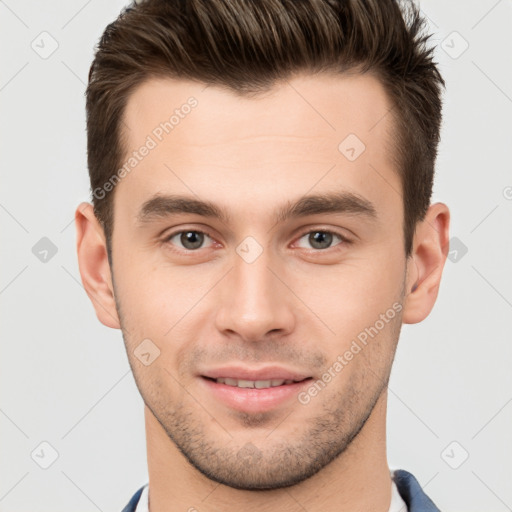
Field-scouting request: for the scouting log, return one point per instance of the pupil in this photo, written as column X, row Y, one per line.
column 320, row 239
column 191, row 239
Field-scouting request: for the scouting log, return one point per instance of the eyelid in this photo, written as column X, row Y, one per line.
column 345, row 240
column 166, row 239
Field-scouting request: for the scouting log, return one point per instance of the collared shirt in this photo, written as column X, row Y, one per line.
column 406, row 496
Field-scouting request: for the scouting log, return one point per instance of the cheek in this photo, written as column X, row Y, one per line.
column 162, row 303
column 340, row 299
column 351, row 295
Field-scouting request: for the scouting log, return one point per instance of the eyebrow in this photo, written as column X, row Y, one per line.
column 161, row 206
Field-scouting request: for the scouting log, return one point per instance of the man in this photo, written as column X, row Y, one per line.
column 261, row 227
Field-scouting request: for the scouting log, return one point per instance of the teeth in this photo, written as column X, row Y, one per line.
column 258, row 384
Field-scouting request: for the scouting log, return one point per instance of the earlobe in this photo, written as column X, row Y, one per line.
column 425, row 267
column 93, row 265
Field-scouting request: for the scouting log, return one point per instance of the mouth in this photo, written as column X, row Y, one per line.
column 255, row 384
column 256, row 395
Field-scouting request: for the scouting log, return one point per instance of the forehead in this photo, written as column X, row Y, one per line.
column 207, row 140
column 322, row 105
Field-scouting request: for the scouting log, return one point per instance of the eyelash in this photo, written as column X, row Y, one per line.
column 344, row 239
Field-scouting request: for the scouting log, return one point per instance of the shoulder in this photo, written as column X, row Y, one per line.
column 132, row 504
column 412, row 493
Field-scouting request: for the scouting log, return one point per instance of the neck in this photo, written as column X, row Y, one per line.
column 357, row 480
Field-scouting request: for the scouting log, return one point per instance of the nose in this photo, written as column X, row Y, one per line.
column 255, row 301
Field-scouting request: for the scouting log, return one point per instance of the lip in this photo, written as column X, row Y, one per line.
column 265, row 373
column 253, row 400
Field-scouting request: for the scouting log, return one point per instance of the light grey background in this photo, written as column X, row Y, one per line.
column 65, row 378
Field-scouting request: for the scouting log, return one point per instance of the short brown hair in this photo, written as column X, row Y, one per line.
column 247, row 46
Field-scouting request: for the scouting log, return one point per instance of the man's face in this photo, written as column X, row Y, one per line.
column 254, row 296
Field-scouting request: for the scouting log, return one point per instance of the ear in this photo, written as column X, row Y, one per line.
column 93, row 264
column 426, row 263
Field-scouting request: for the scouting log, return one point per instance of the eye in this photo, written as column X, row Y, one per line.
column 322, row 239
column 193, row 239
column 190, row 240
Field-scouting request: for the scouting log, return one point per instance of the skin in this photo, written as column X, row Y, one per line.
column 296, row 305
